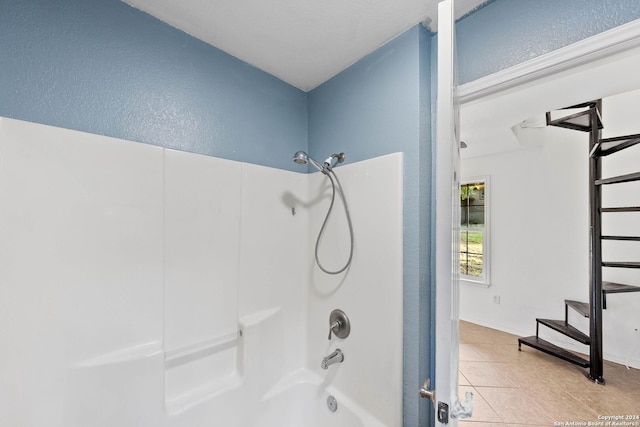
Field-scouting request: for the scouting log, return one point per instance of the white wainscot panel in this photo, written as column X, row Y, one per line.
column 81, row 272
column 369, row 292
column 273, row 268
column 202, row 232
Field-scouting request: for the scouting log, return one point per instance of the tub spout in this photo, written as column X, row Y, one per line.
column 332, row 359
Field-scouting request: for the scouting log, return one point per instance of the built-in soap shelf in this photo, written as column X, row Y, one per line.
column 123, row 355
column 200, row 371
column 224, row 365
column 199, row 350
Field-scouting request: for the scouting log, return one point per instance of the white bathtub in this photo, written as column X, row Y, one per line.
column 302, row 402
column 261, row 391
column 298, row 400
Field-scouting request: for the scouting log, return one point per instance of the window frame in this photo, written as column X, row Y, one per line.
column 486, row 247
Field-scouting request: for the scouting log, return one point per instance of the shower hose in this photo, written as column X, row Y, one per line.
column 332, row 176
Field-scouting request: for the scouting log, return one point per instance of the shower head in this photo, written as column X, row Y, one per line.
column 300, row 158
column 303, row 158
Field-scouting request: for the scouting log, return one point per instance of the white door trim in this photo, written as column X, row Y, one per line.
column 599, row 47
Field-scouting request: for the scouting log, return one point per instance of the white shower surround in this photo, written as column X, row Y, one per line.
column 145, row 286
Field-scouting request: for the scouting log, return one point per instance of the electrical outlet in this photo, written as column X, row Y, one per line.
column 496, row 299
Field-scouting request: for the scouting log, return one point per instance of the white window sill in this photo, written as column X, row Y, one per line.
column 475, row 282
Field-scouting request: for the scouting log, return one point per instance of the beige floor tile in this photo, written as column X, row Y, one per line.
column 514, row 406
column 608, row 404
column 470, row 352
column 484, row 374
column 621, row 379
column 462, row 380
column 482, row 412
column 536, row 377
column 485, row 335
column 506, row 353
column 633, row 402
column 470, row 423
column 530, row 388
column 560, row 405
column 575, row 381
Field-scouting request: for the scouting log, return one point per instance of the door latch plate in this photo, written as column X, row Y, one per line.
column 443, row 413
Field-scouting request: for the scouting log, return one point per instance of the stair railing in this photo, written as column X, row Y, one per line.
column 595, row 291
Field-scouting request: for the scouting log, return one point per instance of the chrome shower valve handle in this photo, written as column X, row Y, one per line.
column 339, row 324
column 335, row 326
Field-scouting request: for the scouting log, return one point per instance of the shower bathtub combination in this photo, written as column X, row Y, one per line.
column 143, row 286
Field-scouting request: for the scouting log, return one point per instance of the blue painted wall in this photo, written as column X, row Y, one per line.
column 424, row 359
column 104, row 67
column 507, row 32
column 378, row 106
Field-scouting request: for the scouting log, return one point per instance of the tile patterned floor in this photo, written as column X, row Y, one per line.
column 529, row 388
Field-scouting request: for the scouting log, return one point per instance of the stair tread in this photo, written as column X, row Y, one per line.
column 629, row 238
column 566, row 329
column 619, row 179
column 621, row 264
column 578, row 121
column 621, row 209
column 554, row 350
column 579, row 306
column 617, row 288
column 608, row 146
column 589, row 104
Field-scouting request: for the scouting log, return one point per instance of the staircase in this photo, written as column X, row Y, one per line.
column 589, row 120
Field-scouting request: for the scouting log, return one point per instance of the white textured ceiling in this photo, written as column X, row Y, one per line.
column 303, row 42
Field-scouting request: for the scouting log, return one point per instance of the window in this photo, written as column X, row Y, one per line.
column 474, row 265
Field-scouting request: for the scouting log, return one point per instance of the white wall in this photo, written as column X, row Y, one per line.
column 621, row 336
column 540, row 237
column 146, row 286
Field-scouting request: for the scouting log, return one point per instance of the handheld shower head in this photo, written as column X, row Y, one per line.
column 303, row 158
column 300, row 158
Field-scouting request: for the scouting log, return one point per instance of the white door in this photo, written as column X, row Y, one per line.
column 448, row 408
